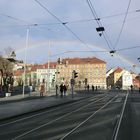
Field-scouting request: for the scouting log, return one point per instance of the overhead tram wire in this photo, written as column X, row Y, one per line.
column 14, row 18
column 65, row 52
column 99, row 23
column 63, row 23
column 134, row 47
column 91, row 19
column 27, row 23
column 123, row 24
column 104, row 17
column 68, row 22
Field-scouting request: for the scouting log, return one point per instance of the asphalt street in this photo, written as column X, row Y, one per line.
column 90, row 118
column 95, row 116
column 130, row 127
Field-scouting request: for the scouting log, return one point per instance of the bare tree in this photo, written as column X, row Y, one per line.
column 8, row 51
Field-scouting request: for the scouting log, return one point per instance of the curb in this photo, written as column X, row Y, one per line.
column 39, row 109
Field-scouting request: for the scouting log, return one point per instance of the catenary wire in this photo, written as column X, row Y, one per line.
column 68, row 22
column 123, row 24
column 15, row 18
column 65, row 52
column 93, row 11
column 63, row 23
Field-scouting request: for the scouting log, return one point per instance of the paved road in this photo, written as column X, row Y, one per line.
column 130, row 127
column 91, row 118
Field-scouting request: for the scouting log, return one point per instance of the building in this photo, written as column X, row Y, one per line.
column 136, row 82
column 127, row 80
column 119, row 78
column 46, row 73
column 90, row 71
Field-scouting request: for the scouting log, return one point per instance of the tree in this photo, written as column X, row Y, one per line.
column 6, row 68
column 8, row 51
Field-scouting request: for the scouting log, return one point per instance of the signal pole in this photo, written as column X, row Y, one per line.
column 74, row 75
column 72, row 84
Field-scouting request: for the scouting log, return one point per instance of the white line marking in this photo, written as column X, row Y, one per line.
column 120, row 120
column 86, row 119
column 18, row 120
column 32, row 130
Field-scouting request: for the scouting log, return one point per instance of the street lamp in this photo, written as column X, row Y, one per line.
column 25, row 59
column 139, row 81
column 48, row 71
column 25, row 55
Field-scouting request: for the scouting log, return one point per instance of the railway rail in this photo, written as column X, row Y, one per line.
column 70, row 121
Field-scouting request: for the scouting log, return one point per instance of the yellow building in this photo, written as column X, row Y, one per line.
column 92, row 70
column 115, row 78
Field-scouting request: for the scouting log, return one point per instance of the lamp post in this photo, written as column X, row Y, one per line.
column 139, row 81
column 25, row 60
column 25, row 55
column 48, row 77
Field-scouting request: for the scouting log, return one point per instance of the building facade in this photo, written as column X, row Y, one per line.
column 119, row 78
column 90, row 71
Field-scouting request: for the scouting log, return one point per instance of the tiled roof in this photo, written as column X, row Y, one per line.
column 118, row 70
column 52, row 65
column 44, row 66
column 89, row 60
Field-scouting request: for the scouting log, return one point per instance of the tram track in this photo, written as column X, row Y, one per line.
column 59, row 122
column 45, row 111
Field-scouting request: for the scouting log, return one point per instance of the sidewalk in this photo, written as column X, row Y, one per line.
column 17, row 105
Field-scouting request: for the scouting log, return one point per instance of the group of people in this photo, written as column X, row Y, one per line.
column 93, row 87
column 63, row 89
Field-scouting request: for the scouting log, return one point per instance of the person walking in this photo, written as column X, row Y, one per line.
column 88, row 87
column 131, row 87
column 61, row 90
column 56, row 87
column 42, row 89
column 65, row 89
column 96, row 88
column 92, row 87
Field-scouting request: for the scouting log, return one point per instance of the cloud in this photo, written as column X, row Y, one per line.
column 13, row 31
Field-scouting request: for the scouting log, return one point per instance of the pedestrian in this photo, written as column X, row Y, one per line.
column 56, row 87
column 131, row 88
column 88, row 87
column 42, row 89
column 9, row 90
column 96, row 88
column 65, row 89
column 92, row 88
column 61, row 90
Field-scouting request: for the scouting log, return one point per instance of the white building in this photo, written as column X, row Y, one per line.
column 46, row 75
column 127, row 80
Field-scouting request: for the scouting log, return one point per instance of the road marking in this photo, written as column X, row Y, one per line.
column 93, row 114
column 120, row 120
column 41, row 126
column 18, row 120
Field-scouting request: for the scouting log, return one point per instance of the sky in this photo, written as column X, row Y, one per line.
column 45, row 30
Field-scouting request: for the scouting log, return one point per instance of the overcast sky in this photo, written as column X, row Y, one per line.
column 78, row 34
